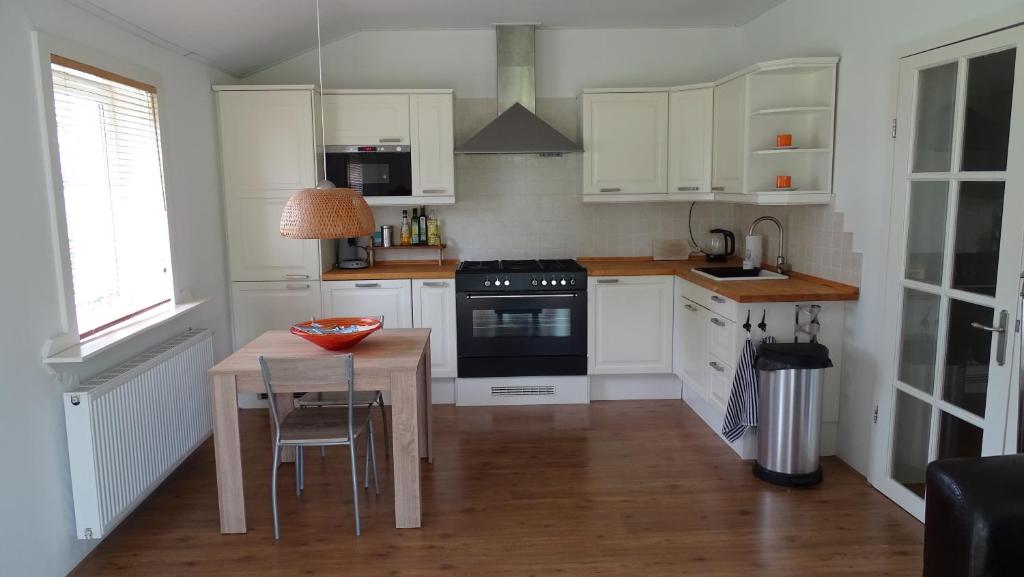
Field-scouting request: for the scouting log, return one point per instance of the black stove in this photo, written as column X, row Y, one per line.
column 521, row 318
column 520, row 275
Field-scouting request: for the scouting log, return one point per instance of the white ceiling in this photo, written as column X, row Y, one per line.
column 243, row 36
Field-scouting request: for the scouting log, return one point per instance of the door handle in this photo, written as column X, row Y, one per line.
column 615, row 189
column 718, row 300
column 607, row 281
column 690, row 308
column 297, row 287
column 1000, row 330
column 718, row 189
column 297, row 276
column 367, row 285
column 716, row 366
column 435, row 284
column 387, row 140
column 717, row 322
column 688, row 188
column 435, row 190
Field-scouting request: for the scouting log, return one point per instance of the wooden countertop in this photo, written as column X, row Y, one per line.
column 388, row 270
column 798, row 287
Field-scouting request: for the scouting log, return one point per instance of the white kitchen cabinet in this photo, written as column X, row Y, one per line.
column 257, row 307
column 720, row 377
column 693, row 350
column 630, row 324
column 433, row 307
column 433, row 146
column 690, row 115
column 268, row 153
column 366, row 119
column 625, row 143
column 730, row 115
column 391, row 299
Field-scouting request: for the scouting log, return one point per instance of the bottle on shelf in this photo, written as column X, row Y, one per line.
column 415, row 227
column 433, row 230
column 406, row 235
column 423, row 225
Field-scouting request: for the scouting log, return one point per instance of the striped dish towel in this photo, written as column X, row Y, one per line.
column 743, row 406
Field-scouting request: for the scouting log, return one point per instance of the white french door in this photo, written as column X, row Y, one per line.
column 955, row 261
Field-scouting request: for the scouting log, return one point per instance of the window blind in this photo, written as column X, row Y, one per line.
column 110, row 162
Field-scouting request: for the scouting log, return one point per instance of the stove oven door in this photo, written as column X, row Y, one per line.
column 522, row 325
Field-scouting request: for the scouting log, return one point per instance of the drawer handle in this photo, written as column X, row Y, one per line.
column 614, row 189
column 367, row 285
column 718, row 188
column 718, row 300
column 717, row 322
column 688, row 188
column 387, row 140
column 435, row 284
column 297, row 276
column 690, row 308
column 297, row 287
column 435, row 191
column 607, row 281
column 716, row 366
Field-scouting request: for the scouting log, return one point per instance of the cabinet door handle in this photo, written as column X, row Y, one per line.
column 387, row 140
column 717, row 322
column 716, row 366
column 607, row 281
column 718, row 188
column 435, row 190
column 718, row 300
column 688, row 188
column 367, row 285
column 297, row 287
column 614, row 189
column 297, row 276
column 435, row 284
column 690, row 308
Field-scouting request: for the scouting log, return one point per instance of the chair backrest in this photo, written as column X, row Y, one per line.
column 297, row 375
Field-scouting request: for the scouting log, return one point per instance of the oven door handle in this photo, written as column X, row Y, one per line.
column 529, row 296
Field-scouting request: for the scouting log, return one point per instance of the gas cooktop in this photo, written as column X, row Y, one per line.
column 520, row 266
column 520, row 275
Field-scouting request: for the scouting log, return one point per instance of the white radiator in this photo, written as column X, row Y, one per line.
column 131, row 426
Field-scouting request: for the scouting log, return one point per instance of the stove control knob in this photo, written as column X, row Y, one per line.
column 572, row 281
column 487, row 282
column 507, row 282
column 564, row 282
column 544, row 282
column 534, row 282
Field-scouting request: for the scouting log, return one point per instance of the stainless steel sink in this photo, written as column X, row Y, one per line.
column 734, row 273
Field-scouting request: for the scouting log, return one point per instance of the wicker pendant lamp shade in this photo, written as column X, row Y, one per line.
column 326, row 213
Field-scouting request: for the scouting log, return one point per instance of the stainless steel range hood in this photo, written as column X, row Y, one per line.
column 517, row 130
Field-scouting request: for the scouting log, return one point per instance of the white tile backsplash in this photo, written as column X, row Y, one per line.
column 528, row 206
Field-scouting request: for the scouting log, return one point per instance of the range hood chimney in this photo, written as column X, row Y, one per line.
column 517, row 130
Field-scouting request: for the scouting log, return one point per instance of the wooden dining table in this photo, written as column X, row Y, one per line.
column 396, row 361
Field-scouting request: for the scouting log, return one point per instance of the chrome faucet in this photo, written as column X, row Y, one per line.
column 780, row 260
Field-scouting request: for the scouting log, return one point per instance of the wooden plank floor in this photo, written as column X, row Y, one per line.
column 624, row 488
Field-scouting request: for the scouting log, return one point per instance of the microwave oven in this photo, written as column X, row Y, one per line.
column 371, row 170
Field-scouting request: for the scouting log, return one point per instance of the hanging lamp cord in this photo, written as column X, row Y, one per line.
column 320, row 72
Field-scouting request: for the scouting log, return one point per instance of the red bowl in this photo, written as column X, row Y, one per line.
column 337, row 342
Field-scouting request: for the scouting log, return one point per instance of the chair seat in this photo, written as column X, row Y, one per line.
column 321, row 427
column 337, row 399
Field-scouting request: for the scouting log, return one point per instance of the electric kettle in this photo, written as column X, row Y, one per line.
column 722, row 245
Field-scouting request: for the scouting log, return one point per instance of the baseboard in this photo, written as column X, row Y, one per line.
column 634, row 387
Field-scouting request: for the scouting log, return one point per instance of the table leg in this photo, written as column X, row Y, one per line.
column 405, row 446
column 285, row 403
column 427, row 425
column 228, row 453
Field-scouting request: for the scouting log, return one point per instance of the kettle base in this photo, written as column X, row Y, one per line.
column 716, row 258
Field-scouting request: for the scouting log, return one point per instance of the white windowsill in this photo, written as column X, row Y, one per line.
column 85, row 350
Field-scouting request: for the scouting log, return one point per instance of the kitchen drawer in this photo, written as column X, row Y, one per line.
column 722, row 338
column 712, row 301
column 720, row 375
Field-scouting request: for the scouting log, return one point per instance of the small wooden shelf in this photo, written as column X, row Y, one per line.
column 433, row 247
column 771, row 151
column 791, row 110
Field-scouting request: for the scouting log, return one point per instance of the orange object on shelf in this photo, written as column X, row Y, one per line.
column 783, row 140
column 783, row 182
column 336, row 341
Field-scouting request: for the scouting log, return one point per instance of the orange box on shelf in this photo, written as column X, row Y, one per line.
column 783, row 181
column 783, row 140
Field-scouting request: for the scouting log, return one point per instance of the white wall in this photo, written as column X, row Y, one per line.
column 567, row 60
column 867, row 35
column 37, row 533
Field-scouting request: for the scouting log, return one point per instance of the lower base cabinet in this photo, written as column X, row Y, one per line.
column 390, row 299
column 629, row 325
column 433, row 307
column 258, row 307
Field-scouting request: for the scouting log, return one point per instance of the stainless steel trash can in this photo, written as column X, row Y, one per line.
column 791, row 377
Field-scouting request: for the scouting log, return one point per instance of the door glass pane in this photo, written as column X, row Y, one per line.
column 936, row 106
column 919, row 339
column 989, row 102
column 926, row 234
column 911, row 433
column 979, row 220
column 542, row 322
column 965, row 382
column 958, row 438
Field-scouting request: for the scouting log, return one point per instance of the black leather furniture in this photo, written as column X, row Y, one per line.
column 974, row 518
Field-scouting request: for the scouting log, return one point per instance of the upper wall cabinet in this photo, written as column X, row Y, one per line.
column 689, row 143
column 788, row 97
column 366, row 119
column 625, row 139
column 433, row 146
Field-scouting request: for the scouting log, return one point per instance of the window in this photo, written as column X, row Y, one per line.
column 115, row 212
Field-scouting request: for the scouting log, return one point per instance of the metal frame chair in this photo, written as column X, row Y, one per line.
column 328, row 426
column 365, row 399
